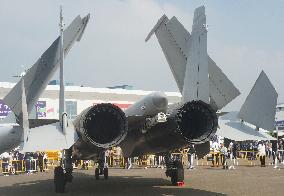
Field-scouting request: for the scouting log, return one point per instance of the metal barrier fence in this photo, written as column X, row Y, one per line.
column 32, row 165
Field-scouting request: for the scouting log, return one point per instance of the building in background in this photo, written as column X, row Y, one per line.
column 78, row 98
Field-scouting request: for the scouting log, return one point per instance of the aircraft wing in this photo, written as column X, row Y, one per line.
column 257, row 111
column 38, row 76
column 231, row 127
column 260, row 105
column 51, row 137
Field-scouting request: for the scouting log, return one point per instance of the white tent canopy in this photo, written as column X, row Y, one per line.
column 232, row 128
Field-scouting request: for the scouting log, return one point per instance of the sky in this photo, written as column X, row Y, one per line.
column 244, row 37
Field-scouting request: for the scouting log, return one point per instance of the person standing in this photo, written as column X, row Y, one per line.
column 40, row 161
column 190, row 156
column 274, row 152
column 233, row 154
column 215, row 155
column 261, row 153
column 223, row 154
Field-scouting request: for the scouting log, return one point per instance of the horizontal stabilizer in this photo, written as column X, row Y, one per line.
column 49, row 137
column 232, row 128
column 259, row 107
column 38, row 76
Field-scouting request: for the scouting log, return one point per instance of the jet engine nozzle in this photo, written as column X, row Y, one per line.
column 104, row 125
column 196, row 121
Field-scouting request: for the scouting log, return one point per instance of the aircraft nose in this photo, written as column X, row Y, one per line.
column 160, row 100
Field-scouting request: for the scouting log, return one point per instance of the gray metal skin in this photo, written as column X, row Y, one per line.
column 36, row 80
column 166, row 136
column 10, row 136
column 191, row 121
column 134, row 116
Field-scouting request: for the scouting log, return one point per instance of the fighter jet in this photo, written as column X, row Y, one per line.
column 204, row 88
column 151, row 125
column 15, row 129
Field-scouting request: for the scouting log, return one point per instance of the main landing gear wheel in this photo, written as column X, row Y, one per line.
column 176, row 172
column 106, row 173
column 59, row 180
column 97, row 174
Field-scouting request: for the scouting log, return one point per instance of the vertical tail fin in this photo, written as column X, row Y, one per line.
column 171, row 35
column 38, row 76
column 196, row 81
column 259, row 107
column 184, row 52
column 24, row 115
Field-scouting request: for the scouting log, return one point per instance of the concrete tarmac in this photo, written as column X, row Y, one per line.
column 204, row 180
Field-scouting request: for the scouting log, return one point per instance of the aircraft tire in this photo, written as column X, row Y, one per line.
column 174, row 177
column 59, row 180
column 180, row 174
column 106, row 173
column 97, row 173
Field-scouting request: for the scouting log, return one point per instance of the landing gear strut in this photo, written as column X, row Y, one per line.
column 174, row 170
column 102, row 168
column 61, row 177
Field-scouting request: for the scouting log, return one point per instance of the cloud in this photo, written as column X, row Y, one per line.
column 113, row 52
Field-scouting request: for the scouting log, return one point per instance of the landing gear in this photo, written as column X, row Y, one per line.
column 175, row 171
column 102, row 168
column 106, row 173
column 59, row 180
column 99, row 172
column 61, row 177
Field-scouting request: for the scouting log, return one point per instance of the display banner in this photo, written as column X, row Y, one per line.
column 41, row 109
column 4, row 109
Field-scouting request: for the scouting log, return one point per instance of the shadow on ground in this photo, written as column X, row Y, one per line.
column 84, row 184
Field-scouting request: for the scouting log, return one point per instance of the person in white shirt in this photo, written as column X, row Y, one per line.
column 223, row 155
column 261, row 153
column 216, row 152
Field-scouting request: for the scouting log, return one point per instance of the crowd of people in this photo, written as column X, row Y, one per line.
column 222, row 153
column 14, row 162
column 228, row 151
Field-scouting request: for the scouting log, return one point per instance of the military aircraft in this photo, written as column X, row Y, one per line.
column 150, row 125
column 204, row 88
column 14, row 130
